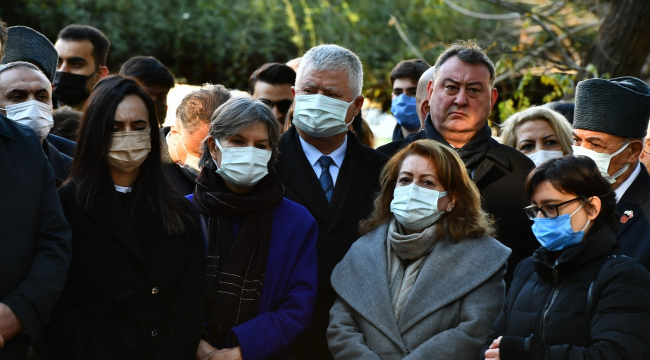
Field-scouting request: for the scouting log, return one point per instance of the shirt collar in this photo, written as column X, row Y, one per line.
column 314, row 154
column 620, row 190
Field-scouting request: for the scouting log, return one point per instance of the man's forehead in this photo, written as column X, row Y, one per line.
column 458, row 70
column 590, row 135
column 74, row 48
column 23, row 77
column 404, row 83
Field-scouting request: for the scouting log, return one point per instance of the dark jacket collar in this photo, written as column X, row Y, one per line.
column 59, row 162
column 6, row 125
column 600, row 244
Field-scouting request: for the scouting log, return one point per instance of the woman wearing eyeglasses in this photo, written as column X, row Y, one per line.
column 576, row 297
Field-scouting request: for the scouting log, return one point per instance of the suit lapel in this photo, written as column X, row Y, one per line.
column 106, row 210
column 353, row 183
column 495, row 156
column 629, row 207
column 297, row 173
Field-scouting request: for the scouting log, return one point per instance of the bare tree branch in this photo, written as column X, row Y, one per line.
column 393, row 21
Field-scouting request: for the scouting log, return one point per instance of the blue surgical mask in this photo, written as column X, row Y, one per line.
column 556, row 233
column 405, row 111
column 320, row 116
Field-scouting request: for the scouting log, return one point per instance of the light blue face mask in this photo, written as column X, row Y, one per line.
column 320, row 116
column 405, row 111
column 416, row 207
column 556, row 233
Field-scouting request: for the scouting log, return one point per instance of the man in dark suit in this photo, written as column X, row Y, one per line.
column 181, row 142
column 461, row 96
column 326, row 169
column 610, row 124
column 34, row 241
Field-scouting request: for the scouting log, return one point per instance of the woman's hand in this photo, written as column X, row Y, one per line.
column 493, row 352
column 224, row 354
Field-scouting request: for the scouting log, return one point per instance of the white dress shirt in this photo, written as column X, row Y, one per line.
column 620, row 190
column 314, row 154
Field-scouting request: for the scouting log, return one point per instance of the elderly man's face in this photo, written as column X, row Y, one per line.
column 331, row 83
column 461, row 99
column 22, row 84
column 609, row 144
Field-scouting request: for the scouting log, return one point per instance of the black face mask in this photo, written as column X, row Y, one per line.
column 71, row 88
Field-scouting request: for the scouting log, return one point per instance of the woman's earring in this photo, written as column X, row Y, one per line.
column 450, row 207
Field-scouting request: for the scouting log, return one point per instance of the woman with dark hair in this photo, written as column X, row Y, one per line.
column 261, row 248
column 135, row 286
column 426, row 279
column 576, row 297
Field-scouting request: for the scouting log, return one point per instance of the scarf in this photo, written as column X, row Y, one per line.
column 471, row 153
column 406, row 254
column 236, row 265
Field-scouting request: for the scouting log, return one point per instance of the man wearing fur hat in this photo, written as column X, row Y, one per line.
column 610, row 122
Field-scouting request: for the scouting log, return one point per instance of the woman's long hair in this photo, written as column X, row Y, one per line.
column 466, row 220
column 90, row 164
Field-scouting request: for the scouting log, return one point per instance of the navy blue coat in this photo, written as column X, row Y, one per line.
column 634, row 231
column 289, row 293
column 34, row 235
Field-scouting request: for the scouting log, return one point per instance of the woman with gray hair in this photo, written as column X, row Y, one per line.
column 538, row 132
column 261, row 271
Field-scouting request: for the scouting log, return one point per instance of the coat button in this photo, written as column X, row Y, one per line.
column 154, row 333
column 154, row 291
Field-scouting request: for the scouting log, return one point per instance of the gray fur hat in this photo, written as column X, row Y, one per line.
column 27, row 44
column 619, row 106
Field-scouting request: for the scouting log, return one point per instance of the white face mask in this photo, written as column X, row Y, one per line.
column 242, row 167
column 415, row 207
column 543, row 155
column 34, row 114
column 191, row 162
column 129, row 149
column 602, row 161
column 320, row 116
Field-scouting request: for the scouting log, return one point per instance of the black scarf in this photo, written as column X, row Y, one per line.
column 471, row 153
column 235, row 266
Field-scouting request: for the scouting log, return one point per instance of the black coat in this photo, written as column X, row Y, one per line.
column 64, row 145
column 34, row 235
column 501, row 179
column 182, row 180
column 133, row 292
column 589, row 306
column 338, row 221
column 634, row 231
column 60, row 162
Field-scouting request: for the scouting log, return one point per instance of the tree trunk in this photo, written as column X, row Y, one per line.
column 623, row 42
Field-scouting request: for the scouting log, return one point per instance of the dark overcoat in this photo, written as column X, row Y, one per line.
column 34, row 235
column 634, row 211
column 134, row 291
column 338, row 221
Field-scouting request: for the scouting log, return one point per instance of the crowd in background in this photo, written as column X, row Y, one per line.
column 266, row 226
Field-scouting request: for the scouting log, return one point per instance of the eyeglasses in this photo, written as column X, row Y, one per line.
column 549, row 211
column 283, row 105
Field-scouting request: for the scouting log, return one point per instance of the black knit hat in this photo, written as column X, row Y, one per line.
column 27, row 44
column 619, row 107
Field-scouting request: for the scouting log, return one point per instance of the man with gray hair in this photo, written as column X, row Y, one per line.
column 326, row 169
column 181, row 142
column 461, row 96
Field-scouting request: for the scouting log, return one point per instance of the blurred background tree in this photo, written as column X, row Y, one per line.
column 541, row 47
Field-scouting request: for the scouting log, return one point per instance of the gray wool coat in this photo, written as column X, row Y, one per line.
column 455, row 299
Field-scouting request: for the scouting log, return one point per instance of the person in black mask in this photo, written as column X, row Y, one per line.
column 461, row 96
column 82, row 63
column 155, row 77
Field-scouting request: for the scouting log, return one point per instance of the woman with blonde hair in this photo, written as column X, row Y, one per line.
column 426, row 278
column 538, row 132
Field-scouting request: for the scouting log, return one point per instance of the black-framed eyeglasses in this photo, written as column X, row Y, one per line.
column 283, row 105
column 549, row 211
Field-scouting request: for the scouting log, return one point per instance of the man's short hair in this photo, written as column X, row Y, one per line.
column 272, row 73
column 468, row 52
column 3, row 37
column 66, row 123
column 19, row 64
column 198, row 106
column 334, row 57
column 100, row 42
column 411, row 69
column 148, row 70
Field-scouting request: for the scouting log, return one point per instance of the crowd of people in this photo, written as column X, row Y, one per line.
column 266, row 226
